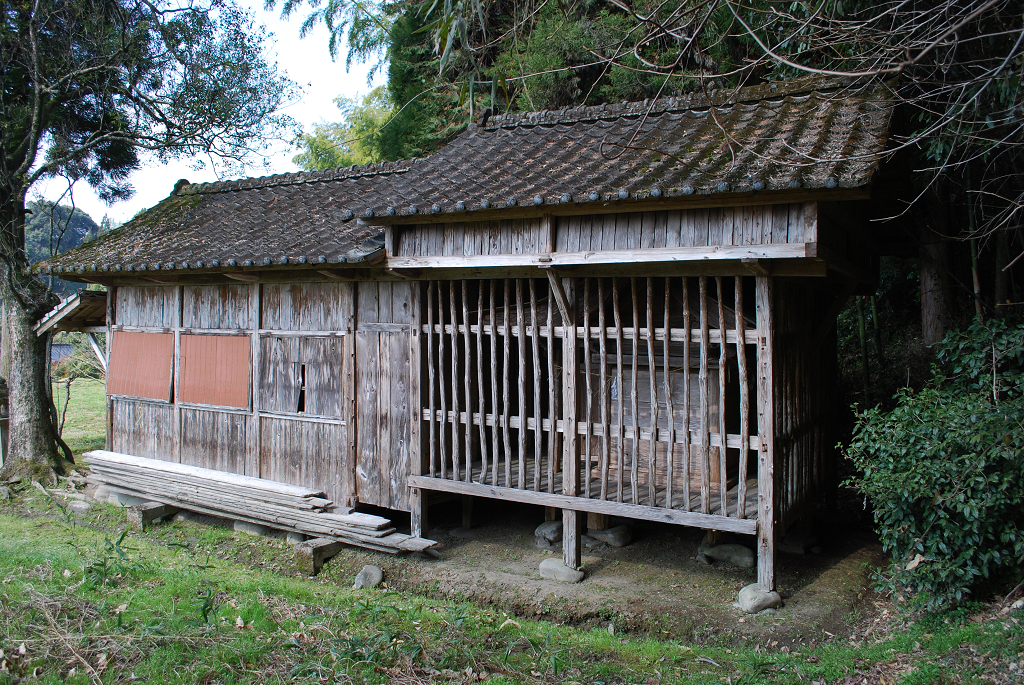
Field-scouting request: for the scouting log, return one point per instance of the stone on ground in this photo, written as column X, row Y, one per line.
column 590, row 543
column 752, row 599
column 551, row 531
column 5, row 493
column 251, row 528
column 734, row 554
column 619, row 536
column 554, row 569
column 295, row 538
column 798, row 540
column 79, row 507
column 371, row 576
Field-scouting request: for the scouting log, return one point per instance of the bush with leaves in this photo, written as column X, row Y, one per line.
column 944, row 470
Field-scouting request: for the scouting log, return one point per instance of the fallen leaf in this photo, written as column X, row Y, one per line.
column 240, row 622
column 915, row 562
column 508, row 622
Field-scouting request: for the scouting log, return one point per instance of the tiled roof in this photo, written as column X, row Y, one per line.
column 796, row 134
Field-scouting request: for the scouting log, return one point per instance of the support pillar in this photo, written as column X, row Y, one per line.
column 766, row 429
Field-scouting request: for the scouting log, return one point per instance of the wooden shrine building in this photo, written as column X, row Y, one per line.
column 624, row 309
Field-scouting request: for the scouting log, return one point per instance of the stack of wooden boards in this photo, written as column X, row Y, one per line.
column 244, row 498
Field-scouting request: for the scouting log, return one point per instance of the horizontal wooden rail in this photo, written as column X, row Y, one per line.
column 676, row 334
column 547, row 499
column 601, row 257
column 733, row 441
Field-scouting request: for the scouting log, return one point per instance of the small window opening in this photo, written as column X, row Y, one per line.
column 302, row 389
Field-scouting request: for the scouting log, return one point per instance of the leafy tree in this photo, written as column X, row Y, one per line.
column 85, row 87
column 352, row 141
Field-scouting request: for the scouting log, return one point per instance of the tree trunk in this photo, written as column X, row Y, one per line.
column 32, row 445
column 1002, row 281
column 934, row 305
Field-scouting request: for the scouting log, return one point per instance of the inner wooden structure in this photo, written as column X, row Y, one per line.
column 673, row 365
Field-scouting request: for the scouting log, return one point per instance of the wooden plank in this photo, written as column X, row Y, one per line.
column 348, row 447
column 442, row 385
column 553, row 441
column 564, row 502
column 456, row 408
column 401, row 407
column 431, row 380
column 571, row 550
column 108, row 442
column 211, row 439
column 766, row 430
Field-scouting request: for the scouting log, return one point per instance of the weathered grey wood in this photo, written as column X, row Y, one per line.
column 417, row 498
column 620, row 449
column 143, row 429
column 496, row 450
column 652, row 372
column 669, row 406
column 467, row 376
column 432, row 368
column 521, row 385
column 150, row 306
column 349, row 455
column 621, row 509
column 138, row 515
column 213, row 439
column 252, row 428
column 634, row 367
column 570, row 451
column 588, row 389
column 553, row 394
column 741, row 362
column 605, row 391
column 766, row 430
column 506, row 344
column 108, row 442
column 687, row 451
column 456, row 408
column 481, row 400
column 311, row 554
column 722, row 361
column 538, row 435
column 442, row 385
column 176, row 382
column 705, row 437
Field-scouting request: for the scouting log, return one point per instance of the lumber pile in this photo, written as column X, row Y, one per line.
column 244, row 498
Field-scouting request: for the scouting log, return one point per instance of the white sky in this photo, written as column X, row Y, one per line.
column 306, row 61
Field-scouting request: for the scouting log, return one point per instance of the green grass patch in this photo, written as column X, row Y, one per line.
column 186, row 603
column 85, row 421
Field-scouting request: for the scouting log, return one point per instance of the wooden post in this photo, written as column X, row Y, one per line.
column 111, row 322
column 176, row 387
column 597, row 521
column 766, row 430
column 252, row 466
column 348, row 341
column 467, row 512
column 571, row 550
column 417, row 497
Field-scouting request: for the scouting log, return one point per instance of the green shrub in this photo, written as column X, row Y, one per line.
column 944, row 470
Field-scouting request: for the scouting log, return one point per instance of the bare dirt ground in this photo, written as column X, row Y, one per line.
column 654, row 585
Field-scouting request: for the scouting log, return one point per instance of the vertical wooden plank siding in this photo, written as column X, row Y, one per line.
column 766, row 433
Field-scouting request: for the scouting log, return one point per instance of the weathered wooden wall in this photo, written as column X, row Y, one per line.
column 725, row 226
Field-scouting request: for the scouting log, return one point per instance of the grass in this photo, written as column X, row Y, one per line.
column 84, row 428
column 80, row 602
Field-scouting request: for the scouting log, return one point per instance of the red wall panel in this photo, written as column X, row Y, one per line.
column 140, row 365
column 215, row 370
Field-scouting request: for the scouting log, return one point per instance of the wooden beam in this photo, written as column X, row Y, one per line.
column 244, row 277
column 597, row 506
column 560, row 298
column 311, row 554
column 338, row 274
column 100, row 355
column 608, row 257
column 766, row 427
